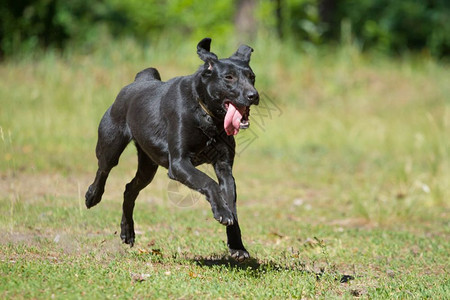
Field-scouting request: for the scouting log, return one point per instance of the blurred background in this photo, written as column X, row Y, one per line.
column 393, row 27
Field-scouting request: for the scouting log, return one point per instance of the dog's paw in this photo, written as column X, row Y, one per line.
column 93, row 197
column 127, row 239
column 239, row 255
column 127, row 234
column 224, row 216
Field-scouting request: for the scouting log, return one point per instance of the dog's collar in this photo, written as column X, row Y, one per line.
column 205, row 109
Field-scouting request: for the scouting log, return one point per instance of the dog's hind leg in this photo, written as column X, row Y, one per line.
column 144, row 175
column 112, row 140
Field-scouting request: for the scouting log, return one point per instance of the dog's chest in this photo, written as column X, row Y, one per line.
column 211, row 135
column 207, row 125
column 209, row 154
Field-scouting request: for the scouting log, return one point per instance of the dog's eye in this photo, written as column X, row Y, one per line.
column 229, row 77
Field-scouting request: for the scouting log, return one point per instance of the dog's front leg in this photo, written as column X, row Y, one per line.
column 182, row 170
column 228, row 189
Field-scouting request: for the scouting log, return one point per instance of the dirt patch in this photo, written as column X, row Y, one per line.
column 29, row 186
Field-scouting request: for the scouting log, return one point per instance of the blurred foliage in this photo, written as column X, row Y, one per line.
column 302, row 24
column 389, row 26
column 183, row 17
column 400, row 25
column 386, row 25
column 27, row 24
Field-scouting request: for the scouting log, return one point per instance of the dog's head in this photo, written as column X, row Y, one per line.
column 229, row 85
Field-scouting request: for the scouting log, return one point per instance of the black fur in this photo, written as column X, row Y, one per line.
column 171, row 129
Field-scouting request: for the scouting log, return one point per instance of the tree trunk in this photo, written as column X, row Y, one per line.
column 244, row 19
column 279, row 17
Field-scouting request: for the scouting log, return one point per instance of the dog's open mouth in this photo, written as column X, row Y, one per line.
column 236, row 118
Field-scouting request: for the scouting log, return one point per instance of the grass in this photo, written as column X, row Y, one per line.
column 343, row 182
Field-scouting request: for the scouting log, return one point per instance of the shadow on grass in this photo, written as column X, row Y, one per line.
column 258, row 269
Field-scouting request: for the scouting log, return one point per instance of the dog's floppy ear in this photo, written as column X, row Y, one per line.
column 203, row 51
column 243, row 53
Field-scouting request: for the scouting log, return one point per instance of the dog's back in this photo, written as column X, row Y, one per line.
column 147, row 79
column 147, row 75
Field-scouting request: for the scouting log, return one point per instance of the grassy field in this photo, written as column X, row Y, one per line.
column 343, row 182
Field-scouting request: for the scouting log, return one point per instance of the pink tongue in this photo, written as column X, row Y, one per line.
column 232, row 120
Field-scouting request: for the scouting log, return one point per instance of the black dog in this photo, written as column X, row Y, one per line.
column 180, row 124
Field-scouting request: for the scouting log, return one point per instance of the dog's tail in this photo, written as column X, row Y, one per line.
column 147, row 75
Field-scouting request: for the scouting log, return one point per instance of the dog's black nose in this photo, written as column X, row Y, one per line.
column 253, row 97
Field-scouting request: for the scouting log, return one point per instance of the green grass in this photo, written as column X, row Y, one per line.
column 343, row 182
